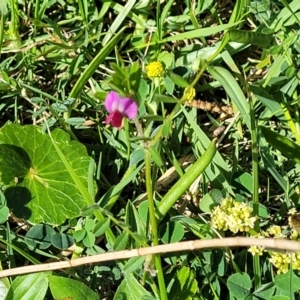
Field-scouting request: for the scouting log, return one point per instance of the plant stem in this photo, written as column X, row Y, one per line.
column 153, row 223
column 257, row 274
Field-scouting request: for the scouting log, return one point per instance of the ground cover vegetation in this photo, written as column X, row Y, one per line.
column 133, row 124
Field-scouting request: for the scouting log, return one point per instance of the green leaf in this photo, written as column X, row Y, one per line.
column 171, row 232
column 79, row 235
column 216, row 195
column 29, row 287
column 92, row 67
column 130, row 289
column 133, row 264
column 38, row 186
column 4, row 214
column 135, row 74
column 89, row 239
column 169, row 84
column 283, row 282
column 118, row 21
column 248, row 37
column 207, row 203
column 265, row 291
column 121, row 242
column 101, row 227
column 233, row 90
column 155, row 156
column 66, row 288
column 75, row 121
column 39, row 236
column 3, row 289
column 167, row 58
column 242, row 182
column 4, row 7
column 185, row 286
column 88, row 210
column 178, row 80
column 284, row 145
column 89, row 224
column 219, row 171
column 135, row 222
column 198, row 32
column 62, row 241
column 239, row 285
column 166, row 128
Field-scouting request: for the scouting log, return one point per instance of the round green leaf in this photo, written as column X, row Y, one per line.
column 89, row 239
column 62, row 241
column 242, row 182
column 283, row 282
column 171, row 232
column 79, row 235
column 216, row 195
column 265, row 291
column 239, row 285
column 39, row 236
column 207, row 203
column 38, row 186
column 89, row 224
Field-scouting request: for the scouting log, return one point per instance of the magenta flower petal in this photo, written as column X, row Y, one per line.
column 110, row 101
column 128, row 108
column 118, row 108
column 115, row 119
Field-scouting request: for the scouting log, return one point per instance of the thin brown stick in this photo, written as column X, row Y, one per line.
column 174, row 247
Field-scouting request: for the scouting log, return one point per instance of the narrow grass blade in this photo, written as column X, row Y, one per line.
column 283, row 144
column 89, row 71
column 118, row 21
column 198, row 32
column 233, row 90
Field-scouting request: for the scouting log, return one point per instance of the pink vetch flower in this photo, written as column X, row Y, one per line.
column 119, row 108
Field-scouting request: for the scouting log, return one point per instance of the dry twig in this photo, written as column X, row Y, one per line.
column 173, row 247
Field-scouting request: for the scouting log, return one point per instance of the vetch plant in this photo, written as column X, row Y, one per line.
column 119, row 108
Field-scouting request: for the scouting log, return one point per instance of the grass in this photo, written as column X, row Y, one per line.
column 213, row 153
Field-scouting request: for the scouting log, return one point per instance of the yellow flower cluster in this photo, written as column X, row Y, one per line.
column 275, row 230
column 232, row 215
column 281, row 261
column 256, row 250
column 155, row 69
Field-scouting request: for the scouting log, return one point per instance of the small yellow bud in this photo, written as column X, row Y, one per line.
column 189, row 94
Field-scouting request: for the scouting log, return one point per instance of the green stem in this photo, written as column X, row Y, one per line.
column 256, row 260
column 153, row 223
column 2, row 24
column 36, row 9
